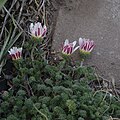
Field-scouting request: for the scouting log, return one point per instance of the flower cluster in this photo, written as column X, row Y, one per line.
column 39, row 31
column 85, row 46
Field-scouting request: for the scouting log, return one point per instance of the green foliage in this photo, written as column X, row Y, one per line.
column 71, row 106
column 12, row 117
column 43, row 91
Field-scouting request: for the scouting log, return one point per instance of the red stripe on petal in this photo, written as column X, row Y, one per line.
column 39, row 31
column 85, row 46
column 44, row 33
column 35, row 33
column 68, row 50
column 16, row 54
column 91, row 47
column 88, row 46
column 82, row 46
column 13, row 57
column 65, row 48
column 19, row 54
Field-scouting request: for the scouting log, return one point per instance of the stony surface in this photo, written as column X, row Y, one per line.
column 98, row 20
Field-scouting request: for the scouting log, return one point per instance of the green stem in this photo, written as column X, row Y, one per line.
column 32, row 52
column 40, row 112
column 81, row 64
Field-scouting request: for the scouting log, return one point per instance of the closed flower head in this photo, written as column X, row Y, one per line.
column 15, row 53
column 86, row 45
column 69, row 48
column 37, row 30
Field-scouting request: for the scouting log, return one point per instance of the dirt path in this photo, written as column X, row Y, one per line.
column 98, row 20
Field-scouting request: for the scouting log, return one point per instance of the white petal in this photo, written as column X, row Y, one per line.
column 45, row 28
column 81, row 41
column 20, row 50
column 33, row 32
column 74, row 43
column 75, row 49
column 92, row 48
column 44, row 31
column 9, row 52
column 12, row 51
column 66, row 42
column 87, row 45
column 39, row 25
column 15, row 49
column 36, row 26
column 31, row 27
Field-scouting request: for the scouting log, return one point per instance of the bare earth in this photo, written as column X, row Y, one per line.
column 98, row 20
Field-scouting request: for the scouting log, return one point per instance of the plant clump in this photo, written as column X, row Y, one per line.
column 44, row 91
column 41, row 88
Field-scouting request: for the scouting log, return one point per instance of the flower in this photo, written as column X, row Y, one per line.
column 86, row 45
column 37, row 30
column 68, row 48
column 15, row 53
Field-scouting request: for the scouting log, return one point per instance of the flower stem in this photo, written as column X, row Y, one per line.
column 81, row 64
column 40, row 112
column 32, row 52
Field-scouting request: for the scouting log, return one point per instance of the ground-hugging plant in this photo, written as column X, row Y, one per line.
column 44, row 91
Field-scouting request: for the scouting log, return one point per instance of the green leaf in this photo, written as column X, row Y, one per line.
column 49, row 82
column 28, row 103
column 71, row 105
column 21, row 93
column 58, row 110
column 2, row 3
column 83, row 113
column 80, row 118
column 12, row 117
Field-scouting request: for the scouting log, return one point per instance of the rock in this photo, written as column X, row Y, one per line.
column 92, row 19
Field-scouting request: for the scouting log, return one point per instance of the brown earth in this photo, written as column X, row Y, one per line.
column 98, row 20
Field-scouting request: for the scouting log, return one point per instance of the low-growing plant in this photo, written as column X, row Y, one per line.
column 48, row 91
